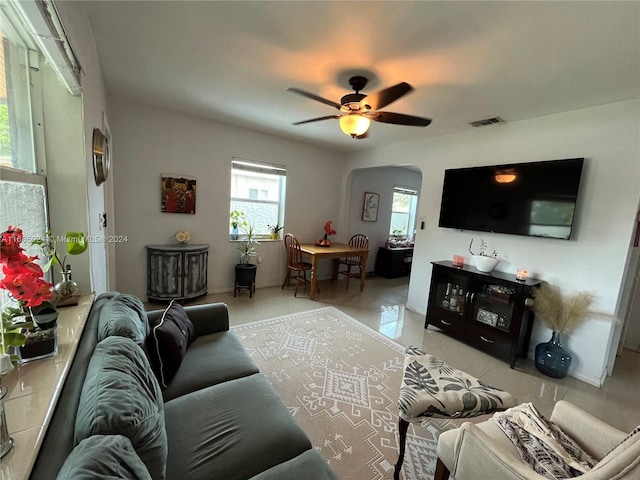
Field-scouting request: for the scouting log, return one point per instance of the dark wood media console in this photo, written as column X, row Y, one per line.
column 485, row 310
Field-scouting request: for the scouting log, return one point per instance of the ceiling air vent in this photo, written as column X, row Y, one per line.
column 486, row 121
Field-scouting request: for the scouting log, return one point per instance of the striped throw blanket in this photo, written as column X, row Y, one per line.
column 542, row 445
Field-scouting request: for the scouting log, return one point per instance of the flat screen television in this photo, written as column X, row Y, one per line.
column 536, row 199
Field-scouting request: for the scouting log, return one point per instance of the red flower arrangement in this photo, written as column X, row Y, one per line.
column 328, row 230
column 22, row 276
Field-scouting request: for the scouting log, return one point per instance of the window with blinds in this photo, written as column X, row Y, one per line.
column 258, row 190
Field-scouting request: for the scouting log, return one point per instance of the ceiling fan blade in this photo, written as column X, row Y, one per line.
column 388, row 95
column 317, row 119
column 313, row 96
column 399, row 119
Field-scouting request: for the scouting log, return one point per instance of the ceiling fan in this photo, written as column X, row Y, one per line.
column 357, row 109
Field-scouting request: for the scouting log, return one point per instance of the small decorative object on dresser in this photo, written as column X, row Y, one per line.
column 483, row 261
column 183, row 237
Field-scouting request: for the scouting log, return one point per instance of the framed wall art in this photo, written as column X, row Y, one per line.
column 370, row 207
column 178, row 193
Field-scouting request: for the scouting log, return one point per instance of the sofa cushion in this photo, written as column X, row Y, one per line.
column 168, row 342
column 123, row 315
column 121, row 395
column 104, row 457
column 309, row 465
column 210, row 359
column 233, row 430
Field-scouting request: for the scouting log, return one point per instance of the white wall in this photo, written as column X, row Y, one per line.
column 380, row 181
column 151, row 140
column 594, row 259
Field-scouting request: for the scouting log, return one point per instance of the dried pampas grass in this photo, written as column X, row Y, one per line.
column 561, row 313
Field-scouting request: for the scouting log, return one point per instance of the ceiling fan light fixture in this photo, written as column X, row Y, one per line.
column 354, row 125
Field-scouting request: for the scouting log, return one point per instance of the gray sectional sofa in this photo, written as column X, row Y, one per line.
column 217, row 418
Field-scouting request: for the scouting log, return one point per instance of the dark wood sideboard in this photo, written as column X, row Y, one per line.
column 485, row 310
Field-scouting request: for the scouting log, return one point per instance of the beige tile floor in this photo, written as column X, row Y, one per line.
column 382, row 307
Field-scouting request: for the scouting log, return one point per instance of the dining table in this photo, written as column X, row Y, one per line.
column 335, row 251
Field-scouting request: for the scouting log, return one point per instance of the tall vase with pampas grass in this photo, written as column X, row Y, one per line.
column 561, row 313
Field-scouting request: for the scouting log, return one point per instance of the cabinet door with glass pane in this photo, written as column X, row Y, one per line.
column 448, row 299
column 495, row 317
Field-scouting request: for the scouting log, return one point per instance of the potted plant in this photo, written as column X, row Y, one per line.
column 76, row 244
column 245, row 270
column 275, row 231
column 561, row 313
column 237, row 221
column 397, row 232
column 23, row 280
column 484, row 261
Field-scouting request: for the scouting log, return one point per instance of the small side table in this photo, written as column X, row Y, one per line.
column 176, row 272
column 431, row 388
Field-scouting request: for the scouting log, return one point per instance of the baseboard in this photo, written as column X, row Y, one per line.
column 634, row 347
column 415, row 309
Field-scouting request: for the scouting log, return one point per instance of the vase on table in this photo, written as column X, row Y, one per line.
column 234, row 233
column 552, row 358
column 66, row 287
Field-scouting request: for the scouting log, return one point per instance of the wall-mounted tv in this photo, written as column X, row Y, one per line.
column 535, row 199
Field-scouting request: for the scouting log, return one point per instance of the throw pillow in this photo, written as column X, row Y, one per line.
column 104, row 456
column 121, row 395
column 168, row 342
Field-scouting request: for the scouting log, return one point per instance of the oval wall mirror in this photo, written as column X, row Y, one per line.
column 101, row 156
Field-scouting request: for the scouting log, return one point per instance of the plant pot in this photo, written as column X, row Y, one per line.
column 41, row 343
column 485, row 264
column 45, row 315
column 552, row 358
column 246, row 274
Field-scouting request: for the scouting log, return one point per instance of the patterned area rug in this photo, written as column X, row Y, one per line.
column 340, row 380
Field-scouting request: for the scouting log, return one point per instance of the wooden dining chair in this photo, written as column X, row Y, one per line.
column 295, row 264
column 358, row 241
